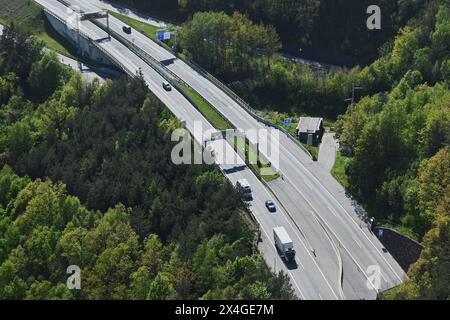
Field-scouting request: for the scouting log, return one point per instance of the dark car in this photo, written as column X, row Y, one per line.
column 166, row 85
column 271, row 206
column 126, row 29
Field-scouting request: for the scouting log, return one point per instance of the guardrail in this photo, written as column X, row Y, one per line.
column 243, row 103
column 165, row 73
column 96, row 44
column 173, row 78
column 251, row 214
column 157, row 66
column 337, row 252
column 155, row 63
column 114, row 60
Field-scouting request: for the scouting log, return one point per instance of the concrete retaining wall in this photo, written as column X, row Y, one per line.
column 87, row 48
column 405, row 250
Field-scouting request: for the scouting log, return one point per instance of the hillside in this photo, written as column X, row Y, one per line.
column 86, row 179
column 28, row 16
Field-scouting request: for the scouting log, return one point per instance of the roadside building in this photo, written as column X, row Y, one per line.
column 310, row 130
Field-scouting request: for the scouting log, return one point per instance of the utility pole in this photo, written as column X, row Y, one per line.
column 275, row 265
column 107, row 25
column 352, row 99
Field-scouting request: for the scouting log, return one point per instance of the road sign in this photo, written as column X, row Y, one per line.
column 287, row 121
column 162, row 35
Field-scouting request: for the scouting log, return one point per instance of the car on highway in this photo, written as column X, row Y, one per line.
column 166, row 85
column 271, row 206
column 126, row 29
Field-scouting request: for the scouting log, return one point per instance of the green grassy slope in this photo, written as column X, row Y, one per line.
column 28, row 16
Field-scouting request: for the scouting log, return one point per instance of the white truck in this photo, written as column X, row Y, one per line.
column 247, row 189
column 284, row 244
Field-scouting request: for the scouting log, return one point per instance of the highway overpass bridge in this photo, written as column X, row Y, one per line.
column 338, row 256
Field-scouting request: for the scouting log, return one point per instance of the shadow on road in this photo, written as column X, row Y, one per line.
column 234, row 169
column 291, row 265
column 167, row 62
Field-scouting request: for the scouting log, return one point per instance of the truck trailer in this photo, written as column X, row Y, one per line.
column 246, row 188
column 284, row 244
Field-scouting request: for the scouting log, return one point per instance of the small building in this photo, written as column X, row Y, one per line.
column 310, row 130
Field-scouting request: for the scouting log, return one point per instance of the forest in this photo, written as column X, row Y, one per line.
column 395, row 135
column 304, row 24
column 86, row 179
column 62, row 142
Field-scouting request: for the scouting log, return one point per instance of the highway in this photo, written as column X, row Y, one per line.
column 324, row 219
column 114, row 7
column 307, row 278
column 310, row 183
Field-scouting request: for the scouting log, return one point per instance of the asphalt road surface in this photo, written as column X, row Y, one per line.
column 307, row 277
column 314, row 208
column 312, row 184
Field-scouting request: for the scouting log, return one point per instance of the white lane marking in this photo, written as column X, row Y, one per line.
column 347, row 213
column 332, row 211
column 309, row 252
column 301, row 293
column 340, row 205
column 383, row 277
column 300, row 263
column 353, row 258
column 274, row 247
column 357, row 242
column 308, row 184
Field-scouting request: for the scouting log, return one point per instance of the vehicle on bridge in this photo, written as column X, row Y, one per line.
column 166, row 85
column 246, row 188
column 270, row 205
column 284, row 244
column 126, row 29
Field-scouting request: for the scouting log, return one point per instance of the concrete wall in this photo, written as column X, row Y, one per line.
column 86, row 46
column 404, row 249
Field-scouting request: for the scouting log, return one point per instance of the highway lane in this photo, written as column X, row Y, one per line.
column 308, row 278
column 328, row 262
column 120, row 9
column 314, row 229
column 87, row 72
column 291, row 166
column 296, row 166
column 364, row 249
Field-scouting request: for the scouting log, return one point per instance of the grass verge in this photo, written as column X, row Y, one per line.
column 207, row 109
column 278, row 119
column 216, row 119
column 29, row 17
column 269, row 173
column 145, row 28
column 313, row 150
column 221, row 123
column 339, row 168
